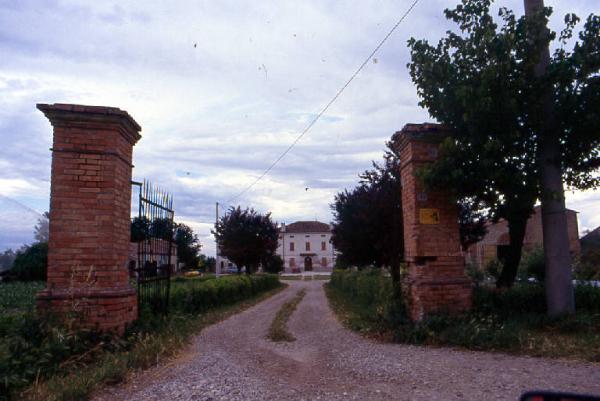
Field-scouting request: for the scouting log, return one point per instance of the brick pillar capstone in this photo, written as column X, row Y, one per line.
column 90, row 209
column 436, row 281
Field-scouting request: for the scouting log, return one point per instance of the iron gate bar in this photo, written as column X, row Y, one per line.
column 153, row 269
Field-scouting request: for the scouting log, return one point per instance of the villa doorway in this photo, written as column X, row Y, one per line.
column 308, row 264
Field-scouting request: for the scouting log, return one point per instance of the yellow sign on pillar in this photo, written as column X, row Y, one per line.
column 429, row 216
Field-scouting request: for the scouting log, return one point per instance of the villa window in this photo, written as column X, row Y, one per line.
column 291, row 247
column 323, row 245
column 308, row 246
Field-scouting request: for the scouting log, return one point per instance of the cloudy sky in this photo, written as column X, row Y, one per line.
column 220, row 89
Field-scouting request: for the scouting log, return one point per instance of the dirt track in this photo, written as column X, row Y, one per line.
column 233, row 360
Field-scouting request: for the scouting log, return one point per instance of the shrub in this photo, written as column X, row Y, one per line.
column 32, row 347
column 474, row 273
column 373, row 293
column 273, row 264
column 493, row 268
column 31, row 264
column 588, row 265
column 532, row 264
column 523, row 299
column 196, row 295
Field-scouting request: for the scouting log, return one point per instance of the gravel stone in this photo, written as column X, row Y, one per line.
column 233, row 360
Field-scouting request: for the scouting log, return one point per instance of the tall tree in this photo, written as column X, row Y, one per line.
column 6, row 259
column 42, row 228
column 207, row 263
column 188, row 246
column 482, row 83
column 246, row 237
column 367, row 227
column 471, row 223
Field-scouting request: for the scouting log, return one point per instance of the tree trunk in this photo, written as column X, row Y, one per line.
column 510, row 264
column 557, row 256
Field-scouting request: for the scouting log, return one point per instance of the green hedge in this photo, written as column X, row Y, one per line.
column 513, row 319
column 371, row 289
column 524, row 299
column 33, row 346
column 193, row 296
column 367, row 287
column 31, row 264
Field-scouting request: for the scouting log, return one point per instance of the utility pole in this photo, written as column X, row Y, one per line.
column 217, row 261
column 557, row 256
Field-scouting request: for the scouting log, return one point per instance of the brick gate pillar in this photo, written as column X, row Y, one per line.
column 90, row 208
column 436, row 279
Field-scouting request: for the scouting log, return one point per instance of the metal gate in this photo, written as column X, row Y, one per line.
column 153, row 231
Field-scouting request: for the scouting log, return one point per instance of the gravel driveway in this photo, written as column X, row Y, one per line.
column 233, row 360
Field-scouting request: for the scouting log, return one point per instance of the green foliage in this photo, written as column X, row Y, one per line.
column 373, row 293
column 493, row 268
column 475, row 273
column 188, row 246
column 207, row 263
column 31, row 263
column 7, row 259
column 375, row 206
column 195, row 296
column 588, row 266
column 532, row 264
column 42, row 228
column 246, row 237
column 508, row 319
column 471, row 223
column 18, row 297
column 142, row 229
column 33, row 348
column 273, row 264
column 481, row 82
column 278, row 330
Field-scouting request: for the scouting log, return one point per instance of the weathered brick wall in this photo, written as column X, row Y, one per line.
column 436, row 279
column 90, row 206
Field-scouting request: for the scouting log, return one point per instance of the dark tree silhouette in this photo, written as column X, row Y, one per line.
column 246, row 237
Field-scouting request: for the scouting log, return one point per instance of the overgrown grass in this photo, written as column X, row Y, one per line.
column 67, row 365
column 278, row 330
column 18, row 296
column 513, row 321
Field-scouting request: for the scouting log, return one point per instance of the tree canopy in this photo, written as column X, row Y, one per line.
column 188, row 246
column 482, row 83
column 42, row 228
column 246, row 237
column 368, row 220
column 367, row 227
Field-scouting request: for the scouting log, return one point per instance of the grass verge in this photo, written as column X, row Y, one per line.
column 278, row 330
column 574, row 337
column 151, row 345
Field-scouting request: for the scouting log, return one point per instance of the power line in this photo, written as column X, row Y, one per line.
column 339, row 92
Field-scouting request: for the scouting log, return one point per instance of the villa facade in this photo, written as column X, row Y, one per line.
column 306, row 246
column 303, row 246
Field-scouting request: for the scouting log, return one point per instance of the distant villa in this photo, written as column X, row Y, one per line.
column 303, row 246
